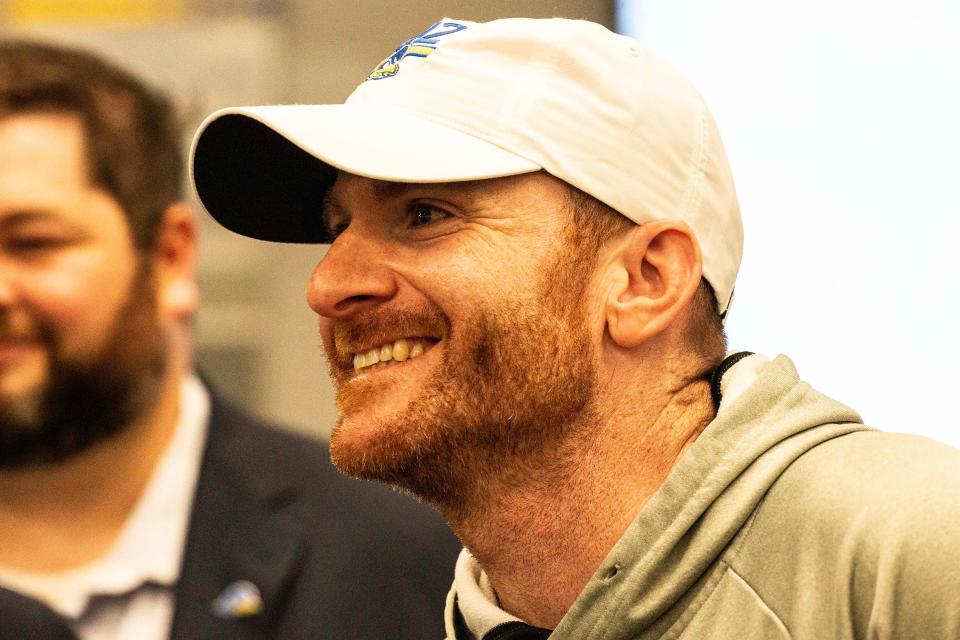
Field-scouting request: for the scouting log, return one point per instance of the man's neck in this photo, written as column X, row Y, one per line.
column 56, row 517
column 540, row 542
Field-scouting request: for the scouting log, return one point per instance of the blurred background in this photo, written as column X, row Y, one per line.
column 840, row 119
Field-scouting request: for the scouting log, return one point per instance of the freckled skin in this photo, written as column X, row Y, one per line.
column 513, row 366
column 558, row 395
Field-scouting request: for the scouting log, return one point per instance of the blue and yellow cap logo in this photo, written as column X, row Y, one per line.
column 419, row 46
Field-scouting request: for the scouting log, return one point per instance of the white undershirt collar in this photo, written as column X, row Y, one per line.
column 158, row 523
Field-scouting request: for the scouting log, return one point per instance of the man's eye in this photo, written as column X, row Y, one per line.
column 31, row 244
column 423, row 214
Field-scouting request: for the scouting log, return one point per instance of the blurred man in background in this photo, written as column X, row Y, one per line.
column 534, row 238
column 133, row 501
column 27, row 619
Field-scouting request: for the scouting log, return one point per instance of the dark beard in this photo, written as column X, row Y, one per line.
column 81, row 404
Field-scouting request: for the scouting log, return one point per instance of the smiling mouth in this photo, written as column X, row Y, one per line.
column 391, row 353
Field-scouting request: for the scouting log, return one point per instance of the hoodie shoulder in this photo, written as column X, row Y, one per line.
column 858, row 539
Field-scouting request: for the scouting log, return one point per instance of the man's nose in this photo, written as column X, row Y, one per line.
column 352, row 277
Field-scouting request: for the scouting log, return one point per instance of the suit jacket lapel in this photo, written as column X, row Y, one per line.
column 239, row 530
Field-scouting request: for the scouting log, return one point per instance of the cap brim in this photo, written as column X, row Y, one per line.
column 263, row 172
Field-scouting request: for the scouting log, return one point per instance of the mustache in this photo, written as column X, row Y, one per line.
column 377, row 327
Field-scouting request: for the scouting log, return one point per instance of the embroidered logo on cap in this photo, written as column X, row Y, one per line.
column 419, row 46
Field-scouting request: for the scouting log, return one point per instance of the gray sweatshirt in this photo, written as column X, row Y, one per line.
column 787, row 519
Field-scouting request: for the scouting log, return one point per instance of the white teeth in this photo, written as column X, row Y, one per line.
column 397, row 351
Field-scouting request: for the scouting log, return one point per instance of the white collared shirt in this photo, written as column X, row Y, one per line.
column 128, row 594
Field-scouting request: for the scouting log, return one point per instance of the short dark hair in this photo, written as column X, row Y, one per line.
column 594, row 223
column 131, row 131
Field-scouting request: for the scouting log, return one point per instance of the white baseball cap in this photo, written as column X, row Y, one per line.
column 469, row 101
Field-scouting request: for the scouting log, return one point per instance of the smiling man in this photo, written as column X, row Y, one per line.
column 134, row 502
column 534, row 238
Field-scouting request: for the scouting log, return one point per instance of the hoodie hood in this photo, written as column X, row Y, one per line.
column 706, row 501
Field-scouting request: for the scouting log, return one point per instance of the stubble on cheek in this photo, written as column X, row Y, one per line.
column 500, row 394
column 510, row 383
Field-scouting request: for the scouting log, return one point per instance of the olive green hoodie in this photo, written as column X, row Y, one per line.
column 787, row 519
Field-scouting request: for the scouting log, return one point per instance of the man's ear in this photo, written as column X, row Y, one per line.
column 175, row 262
column 658, row 270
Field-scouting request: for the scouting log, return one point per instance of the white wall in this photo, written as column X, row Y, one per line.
column 842, row 122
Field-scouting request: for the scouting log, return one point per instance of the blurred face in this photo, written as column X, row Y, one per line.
column 80, row 346
column 456, row 326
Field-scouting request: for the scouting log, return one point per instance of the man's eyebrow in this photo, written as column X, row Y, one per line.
column 333, row 210
column 464, row 189
column 387, row 190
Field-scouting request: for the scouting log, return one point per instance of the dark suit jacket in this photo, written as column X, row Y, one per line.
column 23, row 618
column 334, row 558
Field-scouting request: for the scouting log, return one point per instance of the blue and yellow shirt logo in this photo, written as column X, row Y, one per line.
column 419, row 46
